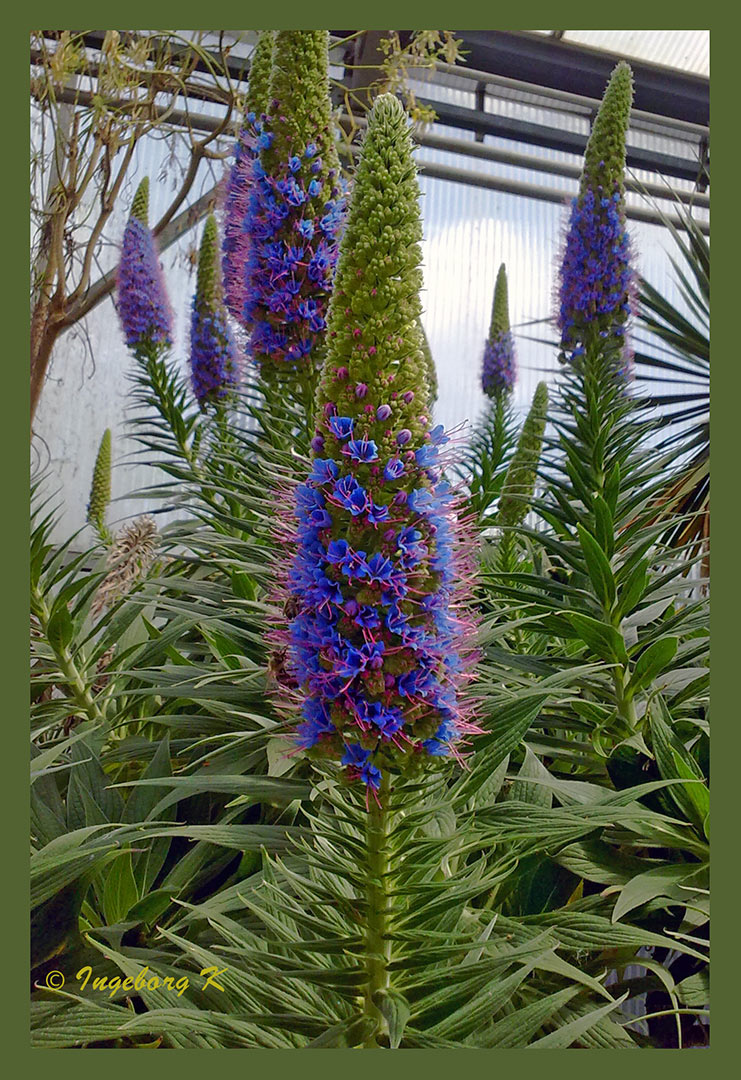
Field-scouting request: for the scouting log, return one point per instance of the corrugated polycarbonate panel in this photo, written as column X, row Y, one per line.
column 469, row 232
column 687, row 50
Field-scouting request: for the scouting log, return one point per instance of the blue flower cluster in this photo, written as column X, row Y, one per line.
column 213, row 359
column 595, row 274
column 143, row 306
column 293, row 220
column 375, row 646
column 499, row 370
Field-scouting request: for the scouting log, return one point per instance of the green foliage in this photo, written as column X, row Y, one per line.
column 681, row 353
column 487, row 456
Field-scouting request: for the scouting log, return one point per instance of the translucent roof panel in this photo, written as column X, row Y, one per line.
column 686, row 50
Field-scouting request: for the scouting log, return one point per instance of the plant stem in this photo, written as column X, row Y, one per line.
column 626, row 708
column 73, row 679
column 377, row 943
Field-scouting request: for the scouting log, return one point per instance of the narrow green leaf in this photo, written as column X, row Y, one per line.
column 598, row 566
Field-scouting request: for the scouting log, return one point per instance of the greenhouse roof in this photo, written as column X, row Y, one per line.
column 685, row 50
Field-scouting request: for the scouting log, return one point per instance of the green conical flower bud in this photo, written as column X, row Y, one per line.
column 208, row 280
column 375, row 340
column 100, row 490
column 258, row 87
column 604, row 157
column 519, row 483
column 299, row 104
column 500, row 307
column 140, row 203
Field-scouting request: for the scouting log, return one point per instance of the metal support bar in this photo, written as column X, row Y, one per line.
column 570, row 142
column 579, row 69
column 586, row 105
column 481, row 106
column 535, row 191
column 463, row 147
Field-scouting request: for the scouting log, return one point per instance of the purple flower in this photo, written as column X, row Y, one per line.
column 341, row 426
column 596, row 276
column 143, row 306
column 213, row 358
column 362, row 450
column 393, row 469
column 499, row 370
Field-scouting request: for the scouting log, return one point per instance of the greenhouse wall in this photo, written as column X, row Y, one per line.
column 468, row 232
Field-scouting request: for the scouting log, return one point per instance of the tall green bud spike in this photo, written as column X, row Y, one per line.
column 258, row 87
column 375, row 342
column 604, row 158
column 500, row 308
column 299, row 98
column 100, row 490
column 519, row 483
column 140, row 204
column 208, row 281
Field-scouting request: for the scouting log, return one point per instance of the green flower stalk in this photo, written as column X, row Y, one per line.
column 213, row 358
column 294, row 215
column 235, row 244
column 519, row 483
column 100, row 490
column 596, row 283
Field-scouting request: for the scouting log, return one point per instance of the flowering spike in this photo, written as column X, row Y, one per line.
column 295, row 210
column 235, row 244
column 100, row 490
column 499, row 369
column 143, row 306
column 519, row 481
column 596, row 280
column 377, row 645
column 213, row 361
